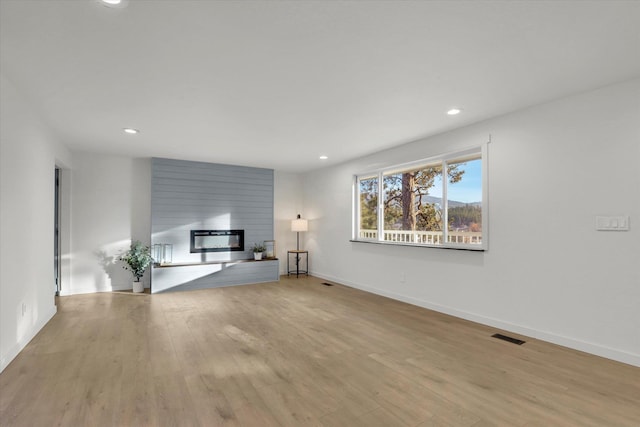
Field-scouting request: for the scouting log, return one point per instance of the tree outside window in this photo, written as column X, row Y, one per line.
column 414, row 209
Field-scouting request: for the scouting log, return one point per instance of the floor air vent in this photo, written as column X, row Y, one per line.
column 506, row 338
column 327, row 284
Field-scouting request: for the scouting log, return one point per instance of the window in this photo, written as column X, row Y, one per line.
column 439, row 202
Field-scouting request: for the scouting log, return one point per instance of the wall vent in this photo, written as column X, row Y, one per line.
column 510, row 339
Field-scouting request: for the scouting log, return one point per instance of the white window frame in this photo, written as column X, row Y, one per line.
column 444, row 160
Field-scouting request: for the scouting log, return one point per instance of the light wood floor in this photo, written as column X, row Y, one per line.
column 298, row 353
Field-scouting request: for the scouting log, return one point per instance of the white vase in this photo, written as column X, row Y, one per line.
column 138, row 287
column 257, row 256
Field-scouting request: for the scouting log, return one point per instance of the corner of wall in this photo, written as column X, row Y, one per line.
column 15, row 349
column 29, row 152
column 288, row 202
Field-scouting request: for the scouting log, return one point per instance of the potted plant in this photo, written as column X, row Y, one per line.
column 258, row 249
column 137, row 259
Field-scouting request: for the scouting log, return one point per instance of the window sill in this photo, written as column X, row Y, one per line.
column 473, row 248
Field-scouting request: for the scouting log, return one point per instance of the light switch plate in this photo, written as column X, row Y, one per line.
column 612, row 223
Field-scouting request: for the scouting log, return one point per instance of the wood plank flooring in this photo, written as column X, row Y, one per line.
column 297, row 353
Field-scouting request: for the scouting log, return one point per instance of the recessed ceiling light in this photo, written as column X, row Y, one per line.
column 323, row 157
column 131, row 131
column 114, row 3
column 454, row 111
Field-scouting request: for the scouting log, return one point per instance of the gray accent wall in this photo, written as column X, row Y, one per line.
column 189, row 196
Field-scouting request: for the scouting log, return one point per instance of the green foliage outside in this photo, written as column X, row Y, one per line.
column 406, row 206
column 405, row 199
column 467, row 216
column 369, row 204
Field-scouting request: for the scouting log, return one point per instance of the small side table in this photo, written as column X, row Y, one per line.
column 298, row 257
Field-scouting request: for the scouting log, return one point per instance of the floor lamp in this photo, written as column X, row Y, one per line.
column 299, row 225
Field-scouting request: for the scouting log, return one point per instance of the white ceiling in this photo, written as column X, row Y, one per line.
column 277, row 83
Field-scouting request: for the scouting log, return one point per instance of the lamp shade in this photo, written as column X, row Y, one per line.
column 299, row 224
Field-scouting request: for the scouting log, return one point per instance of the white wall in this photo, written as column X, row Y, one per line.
column 548, row 273
column 110, row 206
column 28, row 156
column 106, row 215
column 287, row 204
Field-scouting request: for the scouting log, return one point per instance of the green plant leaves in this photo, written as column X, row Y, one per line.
column 137, row 259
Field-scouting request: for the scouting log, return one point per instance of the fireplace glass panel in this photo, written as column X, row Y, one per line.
column 217, row 240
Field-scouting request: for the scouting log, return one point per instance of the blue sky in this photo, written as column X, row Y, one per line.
column 468, row 190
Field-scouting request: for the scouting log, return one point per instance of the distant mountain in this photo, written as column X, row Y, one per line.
column 452, row 203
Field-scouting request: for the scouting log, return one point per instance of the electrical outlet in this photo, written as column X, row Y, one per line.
column 24, row 309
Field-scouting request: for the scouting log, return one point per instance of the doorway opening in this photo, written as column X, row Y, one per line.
column 56, row 233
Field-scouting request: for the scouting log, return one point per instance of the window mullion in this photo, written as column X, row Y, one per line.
column 380, row 208
column 357, row 208
column 445, row 203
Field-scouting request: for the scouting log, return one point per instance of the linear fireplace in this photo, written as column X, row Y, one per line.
column 217, row 240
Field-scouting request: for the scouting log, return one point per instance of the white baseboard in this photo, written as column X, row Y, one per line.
column 14, row 350
column 80, row 291
column 587, row 347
